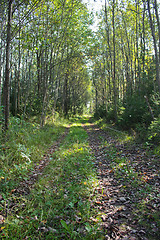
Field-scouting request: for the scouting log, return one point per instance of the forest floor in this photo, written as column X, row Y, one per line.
column 129, row 186
column 94, row 182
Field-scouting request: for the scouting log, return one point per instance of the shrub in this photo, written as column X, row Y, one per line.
column 154, row 131
column 155, row 98
column 100, row 112
column 141, row 131
column 136, row 111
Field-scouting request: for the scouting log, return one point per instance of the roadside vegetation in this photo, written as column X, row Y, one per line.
column 24, row 147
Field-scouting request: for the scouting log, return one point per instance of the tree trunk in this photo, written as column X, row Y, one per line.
column 158, row 23
column 143, row 32
column 155, row 46
column 66, row 95
column 7, row 70
column 43, row 115
column 128, row 59
column 19, row 65
column 0, row 67
column 114, row 64
column 110, row 53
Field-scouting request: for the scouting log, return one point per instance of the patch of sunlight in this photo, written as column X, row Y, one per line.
column 75, row 148
column 79, row 149
column 126, row 138
column 88, row 124
column 122, row 164
column 94, row 182
column 76, row 124
column 106, row 144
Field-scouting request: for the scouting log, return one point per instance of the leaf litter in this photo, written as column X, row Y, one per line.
column 128, row 195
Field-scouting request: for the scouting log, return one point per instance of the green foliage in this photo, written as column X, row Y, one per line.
column 135, row 111
column 110, row 116
column 100, row 112
column 107, row 115
column 154, row 131
column 148, row 129
column 34, row 105
column 155, row 100
column 141, row 132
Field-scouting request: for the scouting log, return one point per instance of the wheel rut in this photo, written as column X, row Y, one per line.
column 26, row 185
column 114, row 202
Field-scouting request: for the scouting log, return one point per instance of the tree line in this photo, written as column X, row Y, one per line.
column 51, row 60
column 126, row 73
column 42, row 60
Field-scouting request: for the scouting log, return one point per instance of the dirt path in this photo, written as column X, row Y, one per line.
column 118, row 199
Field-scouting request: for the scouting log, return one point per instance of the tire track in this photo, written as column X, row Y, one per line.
column 116, row 206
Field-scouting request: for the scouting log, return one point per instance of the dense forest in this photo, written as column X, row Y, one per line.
column 59, row 60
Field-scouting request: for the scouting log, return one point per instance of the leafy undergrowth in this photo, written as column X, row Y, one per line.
column 59, row 205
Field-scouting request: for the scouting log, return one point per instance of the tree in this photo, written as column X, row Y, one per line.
column 7, row 71
column 124, row 41
column 154, row 41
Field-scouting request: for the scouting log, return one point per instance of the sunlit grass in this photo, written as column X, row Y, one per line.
column 59, row 206
column 121, row 136
column 26, row 145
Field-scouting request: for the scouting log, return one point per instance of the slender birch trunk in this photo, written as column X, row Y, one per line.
column 7, row 68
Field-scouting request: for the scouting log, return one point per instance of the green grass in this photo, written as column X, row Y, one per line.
column 121, row 136
column 26, row 145
column 59, row 206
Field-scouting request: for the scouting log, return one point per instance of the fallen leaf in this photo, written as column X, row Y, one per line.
column 2, row 228
column 1, row 219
